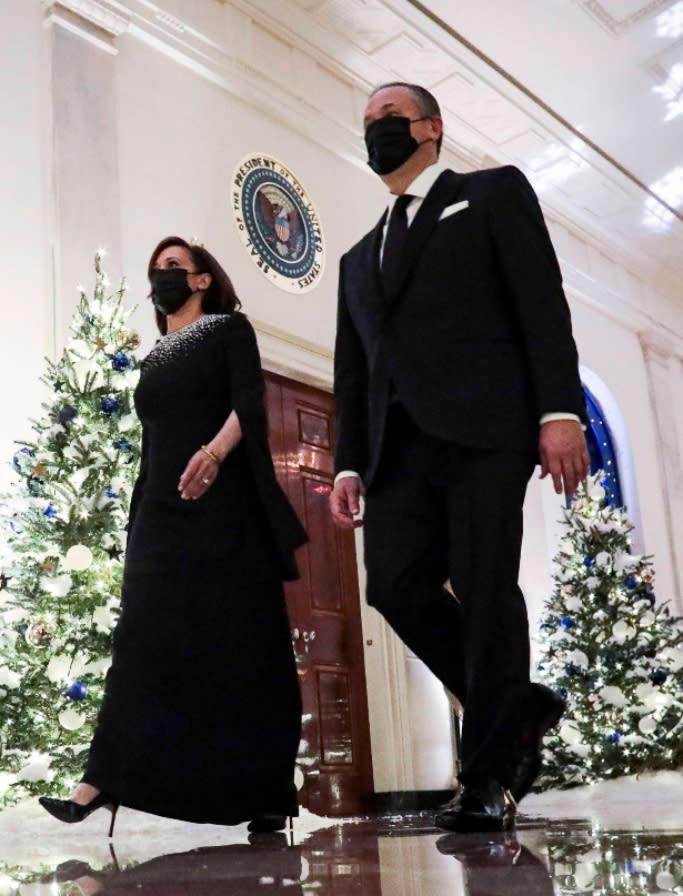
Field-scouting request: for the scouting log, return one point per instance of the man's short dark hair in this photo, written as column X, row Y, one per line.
column 426, row 101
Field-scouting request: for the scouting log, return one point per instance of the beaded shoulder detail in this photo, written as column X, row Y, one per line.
column 184, row 341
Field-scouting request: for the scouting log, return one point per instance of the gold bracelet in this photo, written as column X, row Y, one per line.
column 209, row 453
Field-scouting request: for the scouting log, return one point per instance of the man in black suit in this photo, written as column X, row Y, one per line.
column 455, row 371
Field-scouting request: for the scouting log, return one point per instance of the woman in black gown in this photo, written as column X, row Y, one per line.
column 201, row 715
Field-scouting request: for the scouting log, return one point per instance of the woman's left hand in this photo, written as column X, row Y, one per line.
column 198, row 477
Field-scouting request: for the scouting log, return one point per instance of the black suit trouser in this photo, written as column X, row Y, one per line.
column 439, row 511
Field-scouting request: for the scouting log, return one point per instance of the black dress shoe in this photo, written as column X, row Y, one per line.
column 269, row 840
column 482, row 807
column 545, row 709
column 266, row 824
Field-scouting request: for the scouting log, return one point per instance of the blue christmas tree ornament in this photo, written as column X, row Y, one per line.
column 630, row 582
column 110, row 406
column 567, row 622
column 615, row 737
column 76, row 691
column 111, row 493
column 645, row 594
column 21, row 458
column 659, row 676
column 123, row 445
column 50, row 511
column 588, row 561
column 120, row 361
column 67, row 414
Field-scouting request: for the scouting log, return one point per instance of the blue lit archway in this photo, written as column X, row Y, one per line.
column 601, row 449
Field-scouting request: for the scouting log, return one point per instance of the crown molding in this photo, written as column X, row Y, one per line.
column 95, row 21
column 283, row 353
column 110, row 17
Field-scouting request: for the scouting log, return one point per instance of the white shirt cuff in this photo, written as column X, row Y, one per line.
column 344, row 474
column 560, row 415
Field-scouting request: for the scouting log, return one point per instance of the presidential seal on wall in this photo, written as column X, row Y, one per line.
column 277, row 223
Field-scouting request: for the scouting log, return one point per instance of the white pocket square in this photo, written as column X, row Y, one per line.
column 452, row 209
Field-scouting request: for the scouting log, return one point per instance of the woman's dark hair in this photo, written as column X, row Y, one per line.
column 219, row 298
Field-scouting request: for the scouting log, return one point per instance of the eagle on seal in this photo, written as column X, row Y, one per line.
column 281, row 217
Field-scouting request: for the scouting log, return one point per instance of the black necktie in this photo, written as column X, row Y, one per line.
column 394, row 241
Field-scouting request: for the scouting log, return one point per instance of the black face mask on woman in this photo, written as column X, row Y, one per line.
column 390, row 143
column 169, row 289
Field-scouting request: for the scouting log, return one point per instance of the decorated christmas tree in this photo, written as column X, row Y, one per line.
column 62, row 534
column 613, row 649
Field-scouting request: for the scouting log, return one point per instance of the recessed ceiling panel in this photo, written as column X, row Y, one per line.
column 368, row 23
column 617, row 16
column 415, row 60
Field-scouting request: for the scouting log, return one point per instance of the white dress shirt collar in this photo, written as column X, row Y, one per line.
column 422, row 183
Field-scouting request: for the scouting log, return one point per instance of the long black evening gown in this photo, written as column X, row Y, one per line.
column 201, row 715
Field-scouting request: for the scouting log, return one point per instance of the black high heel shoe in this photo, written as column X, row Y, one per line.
column 70, row 812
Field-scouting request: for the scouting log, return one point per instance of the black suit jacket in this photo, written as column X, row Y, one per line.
column 476, row 337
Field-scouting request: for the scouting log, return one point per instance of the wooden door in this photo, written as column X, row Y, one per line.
column 324, row 606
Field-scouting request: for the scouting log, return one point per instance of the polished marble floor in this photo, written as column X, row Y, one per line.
column 631, row 843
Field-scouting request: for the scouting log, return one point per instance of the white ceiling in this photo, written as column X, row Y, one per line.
column 612, row 68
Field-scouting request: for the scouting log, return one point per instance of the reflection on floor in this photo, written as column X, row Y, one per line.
column 374, row 856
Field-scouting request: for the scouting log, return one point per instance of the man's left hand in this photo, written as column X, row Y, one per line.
column 563, row 451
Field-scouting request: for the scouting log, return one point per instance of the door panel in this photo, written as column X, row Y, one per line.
column 336, row 727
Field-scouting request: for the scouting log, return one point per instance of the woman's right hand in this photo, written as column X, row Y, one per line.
column 198, row 476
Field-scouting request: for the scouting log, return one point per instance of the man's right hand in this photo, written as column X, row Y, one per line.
column 345, row 502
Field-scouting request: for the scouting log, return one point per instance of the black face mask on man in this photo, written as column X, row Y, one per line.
column 390, row 143
column 170, row 290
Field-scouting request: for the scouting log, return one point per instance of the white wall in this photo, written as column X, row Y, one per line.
column 26, row 306
column 85, row 190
